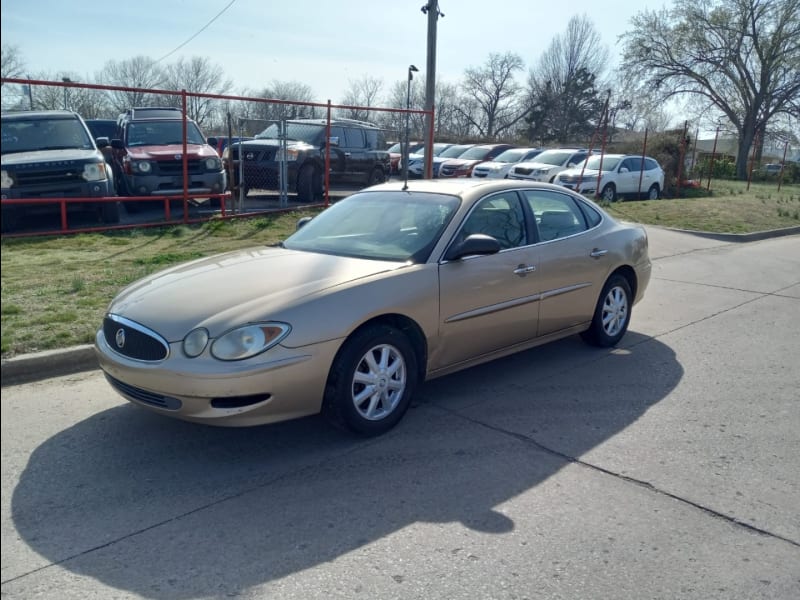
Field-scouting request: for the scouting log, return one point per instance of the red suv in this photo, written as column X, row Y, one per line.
column 148, row 155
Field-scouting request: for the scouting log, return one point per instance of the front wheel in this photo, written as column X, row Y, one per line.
column 371, row 381
column 612, row 313
column 309, row 184
column 609, row 193
column 653, row 192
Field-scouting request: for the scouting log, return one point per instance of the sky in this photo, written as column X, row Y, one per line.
column 323, row 44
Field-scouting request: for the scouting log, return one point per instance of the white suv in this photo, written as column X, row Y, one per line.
column 623, row 175
column 500, row 166
column 548, row 164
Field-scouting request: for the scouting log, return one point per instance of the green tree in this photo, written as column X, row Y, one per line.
column 740, row 56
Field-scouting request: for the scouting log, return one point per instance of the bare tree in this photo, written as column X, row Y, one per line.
column 564, row 97
column 12, row 66
column 139, row 72
column 361, row 92
column 492, row 88
column 740, row 56
column 198, row 75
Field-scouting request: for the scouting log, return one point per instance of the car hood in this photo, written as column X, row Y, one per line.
column 536, row 165
column 460, row 164
column 171, row 151
column 227, row 290
column 274, row 143
column 45, row 156
column 587, row 173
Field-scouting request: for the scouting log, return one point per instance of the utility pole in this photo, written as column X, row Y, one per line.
column 431, row 8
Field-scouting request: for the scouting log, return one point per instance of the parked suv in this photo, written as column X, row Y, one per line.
column 51, row 154
column 548, row 164
column 148, row 155
column 356, row 155
column 622, row 175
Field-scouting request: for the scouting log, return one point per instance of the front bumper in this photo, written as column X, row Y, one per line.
column 172, row 185
column 280, row 384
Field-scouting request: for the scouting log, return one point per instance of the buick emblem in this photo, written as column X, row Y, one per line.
column 178, row 156
column 120, row 338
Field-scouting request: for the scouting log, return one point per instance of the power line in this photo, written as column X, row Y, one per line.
column 202, row 29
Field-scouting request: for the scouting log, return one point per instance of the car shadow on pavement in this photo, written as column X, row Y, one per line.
column 166, row 509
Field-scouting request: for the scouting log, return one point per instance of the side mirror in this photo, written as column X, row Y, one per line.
column 302, row 222
column 212, row 141
column 624, row 170
column 475, row 244
column 102, row 142
column 333, row 140
column 117, row 144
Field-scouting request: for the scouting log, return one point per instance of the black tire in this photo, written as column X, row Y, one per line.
column 654, row 192
column 309, row 184
column 109, row 212
column 376, row 176
column 372, row 380
column 10, row 219
column 609, row 193
column 612, row 314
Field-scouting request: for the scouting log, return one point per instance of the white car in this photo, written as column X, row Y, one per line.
column 548, row 164
column 500, row 166
column 612, row 176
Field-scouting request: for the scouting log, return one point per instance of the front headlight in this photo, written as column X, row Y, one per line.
column 141, row 166
column 7, row 180
column 290, row 154
column 249, row 340
column 94, row 171
column 213, row 164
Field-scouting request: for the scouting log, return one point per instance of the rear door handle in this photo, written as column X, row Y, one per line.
column 597, row 253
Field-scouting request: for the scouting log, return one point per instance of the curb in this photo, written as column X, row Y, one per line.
column 51, row 363
column 28, row 368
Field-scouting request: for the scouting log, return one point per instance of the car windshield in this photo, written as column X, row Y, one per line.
column 511, row 156
column 609, row 162
column 455, row 151
column 553, row 157
column 44, row 134
column 310, row 133
column 380, row 225
column 476, row 153
column 162, row 133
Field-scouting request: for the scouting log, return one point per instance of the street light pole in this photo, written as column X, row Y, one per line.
column 411, row 70
column 65, row 80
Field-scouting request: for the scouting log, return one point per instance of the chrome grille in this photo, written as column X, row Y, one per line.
column 135, row 341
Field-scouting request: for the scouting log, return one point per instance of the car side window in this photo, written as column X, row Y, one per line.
column 499, row 216
column 557, row 215
column 354, row 138
column 650, row 164
column 337, row 136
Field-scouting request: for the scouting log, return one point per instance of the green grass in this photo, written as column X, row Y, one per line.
column 55, row 290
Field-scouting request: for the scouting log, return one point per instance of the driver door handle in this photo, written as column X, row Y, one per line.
column 597, row 253
column 523, row 270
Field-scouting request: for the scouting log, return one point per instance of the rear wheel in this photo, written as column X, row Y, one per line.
column 612, row 313
column 377, row 176
column 371, row 381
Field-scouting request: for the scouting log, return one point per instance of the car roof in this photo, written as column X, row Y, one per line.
column 457, row 186
column 26, row 115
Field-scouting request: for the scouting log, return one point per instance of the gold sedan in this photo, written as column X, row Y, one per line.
column 383, row 290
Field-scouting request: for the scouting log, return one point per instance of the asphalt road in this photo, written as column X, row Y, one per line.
column 665, row 468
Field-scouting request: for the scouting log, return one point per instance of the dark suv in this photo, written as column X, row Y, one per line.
column 356, row 155
column 148, row 155
column 51, row 154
